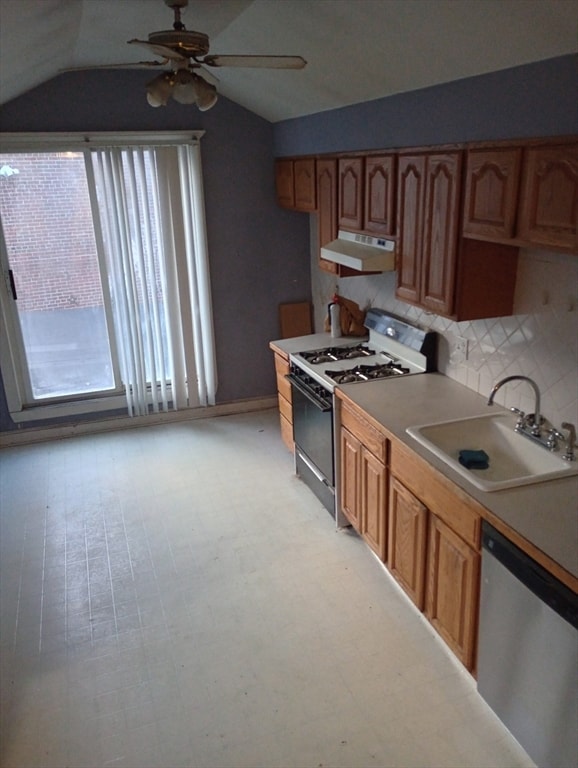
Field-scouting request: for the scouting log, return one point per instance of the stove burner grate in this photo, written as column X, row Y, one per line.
column 331, row 354
column 367, row 373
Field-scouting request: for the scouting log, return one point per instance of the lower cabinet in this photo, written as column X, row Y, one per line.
column 363, row 486
column 364, row 492
column 373, row 502
column 453, row 582
column 434, row 550
column 424, row 528
column 351, row 478
column 406, row 551
column 284, row 397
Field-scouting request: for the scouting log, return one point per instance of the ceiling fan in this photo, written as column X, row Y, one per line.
column 186, row 51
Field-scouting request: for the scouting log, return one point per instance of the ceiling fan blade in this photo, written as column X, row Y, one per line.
column 120, row 65
column 267, row 62
column 160, row 50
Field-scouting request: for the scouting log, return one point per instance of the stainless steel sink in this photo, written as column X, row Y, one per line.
column 514, row 460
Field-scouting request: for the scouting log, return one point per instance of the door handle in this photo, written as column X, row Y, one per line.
column 12, row 284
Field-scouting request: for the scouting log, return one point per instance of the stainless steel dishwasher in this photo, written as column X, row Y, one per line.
column 528, row 652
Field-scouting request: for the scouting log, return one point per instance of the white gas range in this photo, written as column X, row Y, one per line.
column 394, row 349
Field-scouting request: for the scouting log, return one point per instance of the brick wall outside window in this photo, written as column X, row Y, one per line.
column 48, row 229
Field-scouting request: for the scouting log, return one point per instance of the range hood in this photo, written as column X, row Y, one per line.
column 361, row 252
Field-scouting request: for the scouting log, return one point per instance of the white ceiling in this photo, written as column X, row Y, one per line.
column 357, row 50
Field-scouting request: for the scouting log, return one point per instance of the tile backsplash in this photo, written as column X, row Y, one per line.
column 540, row 340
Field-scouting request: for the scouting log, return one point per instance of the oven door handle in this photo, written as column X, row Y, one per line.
column 313, row 468
column 316, row 402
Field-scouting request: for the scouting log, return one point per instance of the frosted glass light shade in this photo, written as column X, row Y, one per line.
column 159, row 89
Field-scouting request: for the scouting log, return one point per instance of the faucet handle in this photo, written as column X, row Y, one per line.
column 552, row 441
column 571, row 441
column 521, row 423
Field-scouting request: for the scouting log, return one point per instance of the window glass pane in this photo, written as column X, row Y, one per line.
column 48, row 228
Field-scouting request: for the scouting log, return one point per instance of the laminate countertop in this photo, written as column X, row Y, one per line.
column 545, row 514
column 298, row 344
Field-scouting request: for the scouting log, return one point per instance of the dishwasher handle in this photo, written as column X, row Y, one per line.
column 537, row 579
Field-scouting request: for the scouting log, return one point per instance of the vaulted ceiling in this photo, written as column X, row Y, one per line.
column 357, row 50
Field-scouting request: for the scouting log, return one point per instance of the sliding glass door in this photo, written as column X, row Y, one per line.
column 106, row 296
column 55, row 276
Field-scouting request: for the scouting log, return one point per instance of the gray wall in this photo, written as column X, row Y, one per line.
column 539, row 99
column 259, row 253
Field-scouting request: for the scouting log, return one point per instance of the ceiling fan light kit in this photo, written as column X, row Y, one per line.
column 183, row 48
column 186, row 51
column 183, row 86
column 159, row 90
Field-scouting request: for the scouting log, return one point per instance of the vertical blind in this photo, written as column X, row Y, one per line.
column 150, row 221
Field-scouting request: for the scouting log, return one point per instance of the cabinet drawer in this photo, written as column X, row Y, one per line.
column 281, row 366
column 284, row 387
column 285, row 409
column 374, row 440
column 443, row 498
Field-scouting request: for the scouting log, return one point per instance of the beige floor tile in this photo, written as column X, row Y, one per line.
column 173, row 596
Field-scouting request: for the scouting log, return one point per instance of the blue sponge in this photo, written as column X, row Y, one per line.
column 471, row 459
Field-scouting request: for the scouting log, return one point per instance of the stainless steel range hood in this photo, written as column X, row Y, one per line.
column 361, row 252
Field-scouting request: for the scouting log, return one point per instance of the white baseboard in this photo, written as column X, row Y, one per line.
column 59, row 431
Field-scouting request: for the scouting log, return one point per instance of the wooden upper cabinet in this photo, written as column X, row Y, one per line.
column 440, row 238
column 326, row 170
column 428, row 209
column 379, row 194
column 284, row 183
column 549, row 196
column 305, row 184
column 410, row 197
column 524, row 195
column 350, row 193
column 437, row 269
column 491, row 192
column 327, row 208
column 295, row 183
column 366, row 194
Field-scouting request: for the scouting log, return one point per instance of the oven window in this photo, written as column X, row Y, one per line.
column 313, row 433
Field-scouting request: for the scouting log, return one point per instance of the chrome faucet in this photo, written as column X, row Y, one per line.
column 531, row 425
column 537, row 418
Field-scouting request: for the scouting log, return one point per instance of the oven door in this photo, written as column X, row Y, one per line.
column 313, row 437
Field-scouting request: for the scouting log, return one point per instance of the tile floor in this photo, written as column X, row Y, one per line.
column 174, row 596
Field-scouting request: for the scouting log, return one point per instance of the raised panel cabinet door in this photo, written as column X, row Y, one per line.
column 373, row 503
column 379, row 208
column 350, row 193
column 549, row 197
column 284, row 185
column 491, row 192
column 410, row 196
column 452, row 590
column 440, row 236
column 326, row 208
column 304, row 184
column 406, row 548
column 350, row 478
